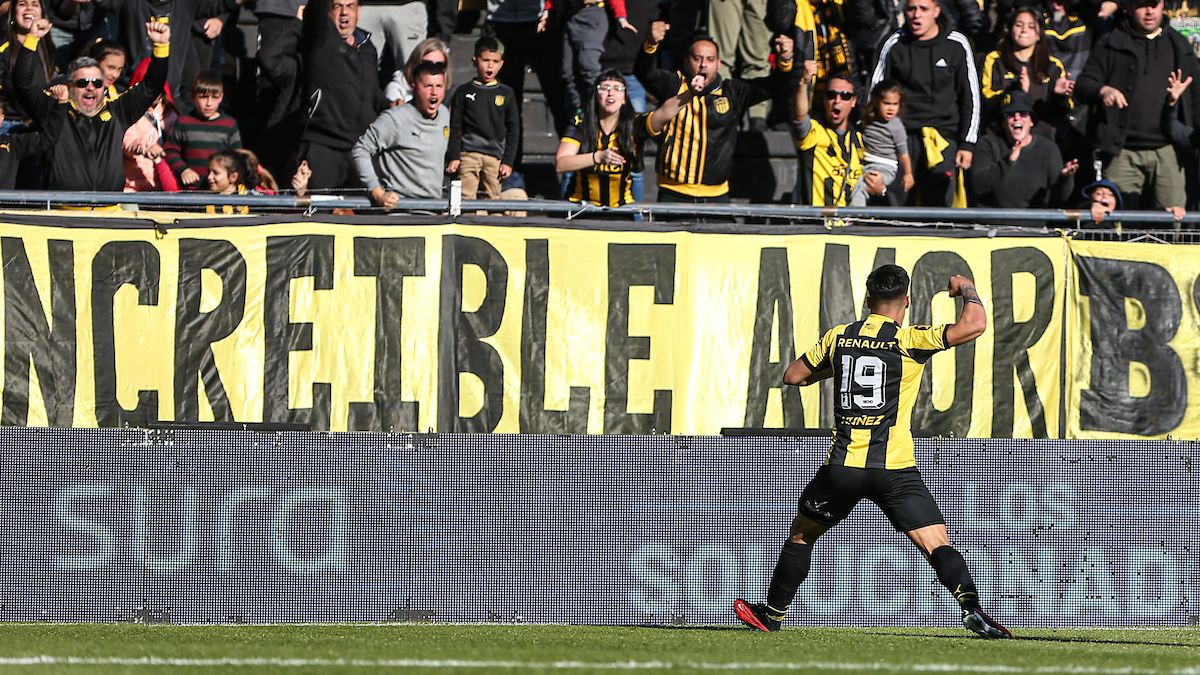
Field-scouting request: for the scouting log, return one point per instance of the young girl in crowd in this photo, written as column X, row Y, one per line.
column 884, row 140
column 112, row 58
column 21, row 16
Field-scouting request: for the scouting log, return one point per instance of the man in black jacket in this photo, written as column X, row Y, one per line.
column 695, row 155
column 86, row 132
column 936, row 68
column 1125, row 81
column 340, row 87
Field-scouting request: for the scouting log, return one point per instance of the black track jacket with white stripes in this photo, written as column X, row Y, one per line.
column 940, row 82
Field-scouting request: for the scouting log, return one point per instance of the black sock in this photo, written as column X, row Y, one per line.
column 790, row 572
column 952, row 571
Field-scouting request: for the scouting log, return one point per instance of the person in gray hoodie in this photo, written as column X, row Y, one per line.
column 403, row 153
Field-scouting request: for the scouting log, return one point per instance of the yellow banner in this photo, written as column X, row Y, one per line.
column 539, row 329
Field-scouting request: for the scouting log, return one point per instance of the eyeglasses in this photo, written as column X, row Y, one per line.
column 84, row 82
column 605, row 88
column 832, row 95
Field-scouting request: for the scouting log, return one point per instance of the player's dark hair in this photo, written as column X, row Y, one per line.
column 887, row 282
column 488, row 44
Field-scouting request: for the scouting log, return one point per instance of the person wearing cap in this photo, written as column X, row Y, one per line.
column 1016, row 168
column 695, row 155
column 1126, row 82
column 1103, row 197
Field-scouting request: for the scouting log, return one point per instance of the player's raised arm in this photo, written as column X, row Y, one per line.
column 972, row 322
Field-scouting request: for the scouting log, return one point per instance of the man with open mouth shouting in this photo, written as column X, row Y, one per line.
column 86, row 131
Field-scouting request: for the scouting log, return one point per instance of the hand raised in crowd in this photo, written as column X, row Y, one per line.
column 58, row 92
column 784, row 47
column 40, row 28
column 624, row 23
column 158, row 32
column 213, row 27
column 810, row 70
column 1064, row 86
column 1112, row 97
column 452, row 167
column 385, row 198
column 696, row 86
column 505, row 171
column 1070, row 168
column 189, row 177
column 962, row 159
column 658, row 32
column 1023, row 79
column 1176, row 85
column 543, row 19
column 301, row 178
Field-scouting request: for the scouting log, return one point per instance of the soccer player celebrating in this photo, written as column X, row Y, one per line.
column 876, row 365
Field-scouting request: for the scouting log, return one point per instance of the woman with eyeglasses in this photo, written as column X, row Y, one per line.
column 604, row 147
column 21, row 16
column 1022, row 62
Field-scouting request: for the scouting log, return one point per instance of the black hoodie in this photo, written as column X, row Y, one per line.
column 941, row 85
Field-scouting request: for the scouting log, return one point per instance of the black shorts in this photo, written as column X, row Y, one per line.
column 900, row 493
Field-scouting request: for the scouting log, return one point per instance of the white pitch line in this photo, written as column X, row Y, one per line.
column 428, row 664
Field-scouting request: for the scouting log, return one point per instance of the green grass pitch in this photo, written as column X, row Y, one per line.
column 444, row 649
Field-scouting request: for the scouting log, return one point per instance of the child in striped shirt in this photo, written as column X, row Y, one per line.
column 202, row 134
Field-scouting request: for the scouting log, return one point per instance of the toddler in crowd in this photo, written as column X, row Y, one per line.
column 484, row 125
column 195, row 138
column 884, row 140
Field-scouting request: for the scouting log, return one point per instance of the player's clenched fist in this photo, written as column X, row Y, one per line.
column 957, row 283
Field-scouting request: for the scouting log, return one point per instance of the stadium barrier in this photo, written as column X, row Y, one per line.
column 219, row 526
column 545, row 326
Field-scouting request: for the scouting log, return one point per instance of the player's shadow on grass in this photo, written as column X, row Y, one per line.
column 1046, row 638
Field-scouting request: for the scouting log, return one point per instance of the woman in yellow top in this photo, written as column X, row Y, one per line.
column 1023, row 62
column 604, row 147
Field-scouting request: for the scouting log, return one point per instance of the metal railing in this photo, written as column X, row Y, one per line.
column 1156, row 223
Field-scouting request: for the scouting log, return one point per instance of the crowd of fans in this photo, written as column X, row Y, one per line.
column 929, row 102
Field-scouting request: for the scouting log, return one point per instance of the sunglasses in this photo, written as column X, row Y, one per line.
column 84, row 82
column 619, row 88
column 832, row 95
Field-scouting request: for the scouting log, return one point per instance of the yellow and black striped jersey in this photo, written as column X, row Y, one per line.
column 831, row 164
column 876, row 374
column 606, row 184
column 696, row 150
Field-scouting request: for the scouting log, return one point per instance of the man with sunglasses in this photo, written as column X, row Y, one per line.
column 831, row 152
column 86, row 131
column 1125, row 81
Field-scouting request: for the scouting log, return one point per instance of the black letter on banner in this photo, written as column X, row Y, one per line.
column 389, row 261
column 461, row 348
column 1107, row 405
column 29, row 337
column 634, row 265
column 929, row 277
column 837, row 304
column 196, row 331
column 1014, row 339
column 293, row 258
column 535, row 419
column 116, row 264
column 774, row 290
